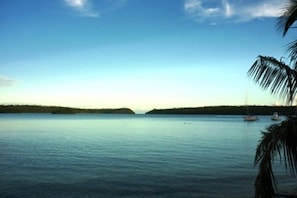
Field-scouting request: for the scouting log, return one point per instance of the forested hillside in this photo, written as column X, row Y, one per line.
column 58, row 110
column 228, row 110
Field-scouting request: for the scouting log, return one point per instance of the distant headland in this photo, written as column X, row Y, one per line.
column 228, row 110
column 59, row 110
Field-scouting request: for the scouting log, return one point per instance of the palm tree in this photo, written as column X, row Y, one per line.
column 278, row 139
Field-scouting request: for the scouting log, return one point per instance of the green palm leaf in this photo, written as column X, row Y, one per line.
column 292, row 49
column 289, row 16
column 275, row 75
column 279, row 139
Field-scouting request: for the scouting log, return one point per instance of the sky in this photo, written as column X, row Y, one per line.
column 139, row 54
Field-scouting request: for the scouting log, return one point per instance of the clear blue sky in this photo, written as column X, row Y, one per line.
column 141, row 54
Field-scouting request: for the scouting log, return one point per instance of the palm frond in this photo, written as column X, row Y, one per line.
column 288, row 17
column 290, row 146
column 275, row 75
column 292, row 49
column 265, row 175
column 279, row 139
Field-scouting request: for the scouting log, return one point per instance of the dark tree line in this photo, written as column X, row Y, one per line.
column 228, row 110
column 58, row 110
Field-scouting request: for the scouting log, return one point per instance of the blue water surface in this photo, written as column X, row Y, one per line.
column 95, row 155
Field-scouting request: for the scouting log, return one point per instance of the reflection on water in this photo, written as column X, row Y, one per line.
column 45, row 155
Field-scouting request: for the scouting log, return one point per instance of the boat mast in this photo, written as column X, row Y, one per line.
column 246, row 99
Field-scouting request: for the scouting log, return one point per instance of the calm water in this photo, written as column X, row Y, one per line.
column 44, row 155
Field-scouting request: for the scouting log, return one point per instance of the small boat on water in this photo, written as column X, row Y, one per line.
column 275, row 117
column 250, row 118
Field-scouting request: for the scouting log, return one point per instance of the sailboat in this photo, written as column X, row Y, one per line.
column 275, row 117
column 249, row 117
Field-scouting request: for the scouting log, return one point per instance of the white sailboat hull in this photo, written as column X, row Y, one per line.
column 250, row 118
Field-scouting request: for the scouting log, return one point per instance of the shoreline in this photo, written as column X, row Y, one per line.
column 207, row 110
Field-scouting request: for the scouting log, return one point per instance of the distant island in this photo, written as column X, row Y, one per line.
column 228, row 110
column 59, row 110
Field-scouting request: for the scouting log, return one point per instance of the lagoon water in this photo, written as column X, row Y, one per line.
column 44, row 155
